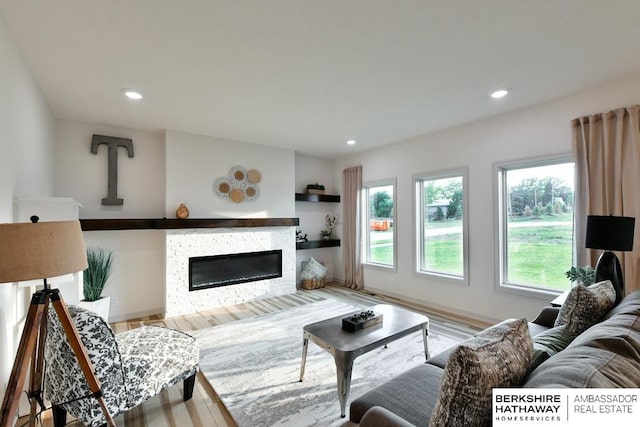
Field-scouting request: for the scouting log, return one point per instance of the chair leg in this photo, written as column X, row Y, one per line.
column 59, row 415
column 189, row 383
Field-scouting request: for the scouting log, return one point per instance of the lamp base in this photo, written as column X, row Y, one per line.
column 608, row 268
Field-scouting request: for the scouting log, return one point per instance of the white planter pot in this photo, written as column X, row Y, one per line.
column 100, row 306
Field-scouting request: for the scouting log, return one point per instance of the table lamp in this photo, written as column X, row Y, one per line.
column 611, row 233
column 37, row 251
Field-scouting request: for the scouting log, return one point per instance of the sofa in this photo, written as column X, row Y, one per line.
column 604, row 337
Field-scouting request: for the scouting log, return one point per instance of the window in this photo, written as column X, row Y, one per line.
column 441, row 229
column 536, row 224
column 380, row 239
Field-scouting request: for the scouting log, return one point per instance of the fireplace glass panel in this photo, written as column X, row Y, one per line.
column 230, row 269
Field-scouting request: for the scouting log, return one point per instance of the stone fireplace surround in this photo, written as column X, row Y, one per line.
column 184, row 243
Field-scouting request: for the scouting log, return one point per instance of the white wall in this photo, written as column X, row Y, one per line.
column 26, row 167
column 137, row 282
column 310, row 170
column 83, row 175
column 534, row 132
column 194, row 162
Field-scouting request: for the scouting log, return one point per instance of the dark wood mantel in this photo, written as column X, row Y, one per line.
column 170, row 224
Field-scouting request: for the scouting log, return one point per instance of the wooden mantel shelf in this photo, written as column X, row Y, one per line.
column 170, row 224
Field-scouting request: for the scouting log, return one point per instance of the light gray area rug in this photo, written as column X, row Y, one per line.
column 254, row 366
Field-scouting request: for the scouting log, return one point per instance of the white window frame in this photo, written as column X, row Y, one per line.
column 419, row 216
column 500, row 190
column 367, row 221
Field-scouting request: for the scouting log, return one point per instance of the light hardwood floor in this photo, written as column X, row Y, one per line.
column 206, row 408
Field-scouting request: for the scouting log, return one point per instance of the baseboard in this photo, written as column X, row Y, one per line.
column 468, row 318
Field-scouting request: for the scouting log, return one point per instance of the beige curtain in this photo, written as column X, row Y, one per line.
column 607, row 150
column 351, row 231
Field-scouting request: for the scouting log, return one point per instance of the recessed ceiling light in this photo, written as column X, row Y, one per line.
column 499, row 93
column 132, row 94
column 351, row 141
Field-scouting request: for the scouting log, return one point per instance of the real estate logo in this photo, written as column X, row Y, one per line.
column 565, row 407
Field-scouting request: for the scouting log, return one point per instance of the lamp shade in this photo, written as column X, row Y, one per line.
column 612, row 233
column 39, row 250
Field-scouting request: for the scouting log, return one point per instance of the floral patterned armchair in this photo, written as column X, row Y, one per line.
column 131, row 366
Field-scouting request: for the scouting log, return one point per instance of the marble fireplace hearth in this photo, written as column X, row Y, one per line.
column 185, row 243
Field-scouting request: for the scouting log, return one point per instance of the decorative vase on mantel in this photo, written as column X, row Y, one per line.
column 182, row 212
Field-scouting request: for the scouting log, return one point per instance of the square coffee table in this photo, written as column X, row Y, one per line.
column 346, row 346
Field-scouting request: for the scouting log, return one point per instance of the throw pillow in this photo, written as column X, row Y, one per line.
column 313, row 270
column 585, row 306
column 497, row 357
column 548, row 343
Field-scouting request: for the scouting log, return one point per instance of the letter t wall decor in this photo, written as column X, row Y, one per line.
column 113, row 143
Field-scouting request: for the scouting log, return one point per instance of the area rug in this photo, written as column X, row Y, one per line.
column 254, row 366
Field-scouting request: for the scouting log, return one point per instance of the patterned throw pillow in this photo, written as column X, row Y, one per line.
column 585, row 306
column 497, row 357
column 313, row 270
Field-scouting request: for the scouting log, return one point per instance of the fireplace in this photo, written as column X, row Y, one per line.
column 230, row 269
column 184, row 244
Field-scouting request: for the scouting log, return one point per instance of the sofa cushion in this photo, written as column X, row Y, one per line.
column 497, row 357
column 440, row 360
column 536, row 329
column 586, row 305
column 607, row 355
column 411, row 395
column 549, row 343
column 629, row 305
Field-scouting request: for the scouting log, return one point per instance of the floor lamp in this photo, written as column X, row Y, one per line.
column 611, row 233
column 31, row 251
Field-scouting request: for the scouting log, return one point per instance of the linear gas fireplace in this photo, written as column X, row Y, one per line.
column 199, row 244
column 230, row 269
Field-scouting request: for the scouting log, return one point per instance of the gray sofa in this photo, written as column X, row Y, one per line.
column 609, row 354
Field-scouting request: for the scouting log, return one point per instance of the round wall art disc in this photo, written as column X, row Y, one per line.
column 251, row 192
column 221, row 187
column 237, row 195
column 254, row 176
column 238, row 173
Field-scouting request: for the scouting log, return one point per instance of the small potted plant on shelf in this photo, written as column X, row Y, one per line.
column 95, row 278
column 315, row 188
column 331, row 221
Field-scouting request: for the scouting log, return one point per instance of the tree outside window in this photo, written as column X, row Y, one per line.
column 442, row 224
column 380, row 223
column 536, row 224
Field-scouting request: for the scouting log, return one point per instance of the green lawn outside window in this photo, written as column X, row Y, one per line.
column 538, row 255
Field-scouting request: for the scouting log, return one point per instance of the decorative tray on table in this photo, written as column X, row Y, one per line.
column 361, row 320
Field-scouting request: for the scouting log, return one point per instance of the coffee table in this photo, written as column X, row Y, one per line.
column 346, row 346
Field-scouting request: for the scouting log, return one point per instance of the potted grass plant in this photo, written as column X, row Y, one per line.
column 95, row 278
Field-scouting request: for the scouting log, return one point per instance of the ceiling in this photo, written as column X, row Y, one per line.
column 307, row 75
